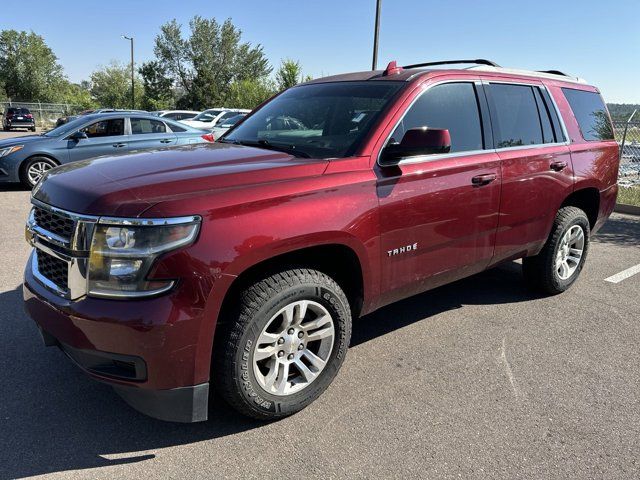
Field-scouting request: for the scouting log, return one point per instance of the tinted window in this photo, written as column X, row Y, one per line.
column 141, row 126
column 515, row 116
column 591, row 114
column 185, row 116
column 172, row 116
column 176, row 128
column 453, row 106
column 105, row 128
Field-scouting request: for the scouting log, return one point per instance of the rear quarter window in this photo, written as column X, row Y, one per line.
column 591, row 114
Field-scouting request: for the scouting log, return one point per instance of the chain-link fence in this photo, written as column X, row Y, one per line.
column 628, row 137
column 45, row 114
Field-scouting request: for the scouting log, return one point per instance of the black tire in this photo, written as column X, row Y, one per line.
column 233, row 371
column 33, row 129
column 540, row 271
column 24, row 168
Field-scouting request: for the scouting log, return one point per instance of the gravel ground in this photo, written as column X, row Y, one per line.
column 478, row 379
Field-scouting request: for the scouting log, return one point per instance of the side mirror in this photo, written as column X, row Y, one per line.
column 415, row 142
column 77, row 136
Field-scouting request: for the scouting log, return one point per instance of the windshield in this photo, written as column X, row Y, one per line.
column 325, row 120
column 207, row 115
column 230, row 122
column 66, row 128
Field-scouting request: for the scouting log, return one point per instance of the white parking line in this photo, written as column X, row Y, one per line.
column 623, row 275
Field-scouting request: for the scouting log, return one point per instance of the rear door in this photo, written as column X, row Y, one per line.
column 105, row 137
column 149, row 133
column 535, row 162
column 437, row 223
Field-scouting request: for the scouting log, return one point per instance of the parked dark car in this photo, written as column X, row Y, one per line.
column 18, row 117
column 26, row 159
column 239, row 266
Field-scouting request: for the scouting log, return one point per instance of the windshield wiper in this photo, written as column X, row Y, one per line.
column 266, row 144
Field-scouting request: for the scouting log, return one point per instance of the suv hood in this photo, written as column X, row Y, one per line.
column 126, row 185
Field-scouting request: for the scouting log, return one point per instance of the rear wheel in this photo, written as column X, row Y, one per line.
column 33, row 169
column 283, row 344
column 560, row 262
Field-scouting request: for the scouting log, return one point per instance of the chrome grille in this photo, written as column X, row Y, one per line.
column 54, row 270
column 61, row 241
column 53, row 222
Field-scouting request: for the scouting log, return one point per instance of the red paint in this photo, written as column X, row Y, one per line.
column 257, row 204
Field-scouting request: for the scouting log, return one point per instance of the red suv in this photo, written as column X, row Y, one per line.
column 239, row 266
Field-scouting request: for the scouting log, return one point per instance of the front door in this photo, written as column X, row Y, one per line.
column 439, row 213
column 104, row 137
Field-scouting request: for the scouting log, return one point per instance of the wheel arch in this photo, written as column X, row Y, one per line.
column 586, row 199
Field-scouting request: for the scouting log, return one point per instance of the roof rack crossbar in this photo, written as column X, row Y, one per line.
column 478, row 61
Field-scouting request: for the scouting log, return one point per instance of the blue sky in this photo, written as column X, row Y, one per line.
column 597, row 40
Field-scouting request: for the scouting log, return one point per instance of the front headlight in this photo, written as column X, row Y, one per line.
column 123, row 251
column 9, row 150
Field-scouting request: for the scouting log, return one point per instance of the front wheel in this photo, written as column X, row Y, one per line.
column 34, row 169
column 560, row 261
column 283, row 344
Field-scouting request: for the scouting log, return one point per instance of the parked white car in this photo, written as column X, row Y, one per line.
column 212, row 117
column 224, row 125
column 177, row 115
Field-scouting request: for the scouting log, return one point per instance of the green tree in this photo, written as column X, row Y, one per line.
column 75, row 94
column 111, row 86
column 207, row 63
column 249, row 93
column 29, row 70
column 289, row 74
column 158, row 88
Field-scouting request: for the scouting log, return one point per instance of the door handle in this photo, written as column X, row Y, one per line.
column 484, row 179
column 558, row 165
column 166, row 140
column 119, row 145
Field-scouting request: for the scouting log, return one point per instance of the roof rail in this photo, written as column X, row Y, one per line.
column 554, row 72
column 478, row 61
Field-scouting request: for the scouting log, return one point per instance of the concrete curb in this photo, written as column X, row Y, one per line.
column 628, row 209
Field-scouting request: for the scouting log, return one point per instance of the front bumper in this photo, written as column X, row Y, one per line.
column 145, row 349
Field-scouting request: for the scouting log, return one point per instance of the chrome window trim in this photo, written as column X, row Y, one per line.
column 443, row 156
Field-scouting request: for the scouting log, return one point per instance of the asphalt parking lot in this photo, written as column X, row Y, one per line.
column 478, row 379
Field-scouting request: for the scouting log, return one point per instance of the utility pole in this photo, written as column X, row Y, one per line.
column 133, row 94
column 376, row 32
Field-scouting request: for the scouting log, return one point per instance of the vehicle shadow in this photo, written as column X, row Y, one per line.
column 503, row 284
column 621, row 231
column 13, row 187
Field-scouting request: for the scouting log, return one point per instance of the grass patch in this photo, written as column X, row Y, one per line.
column 629, row 196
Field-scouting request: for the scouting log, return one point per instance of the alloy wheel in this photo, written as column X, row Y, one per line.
column 37, row 170
column 570, row 252
column 293, row 348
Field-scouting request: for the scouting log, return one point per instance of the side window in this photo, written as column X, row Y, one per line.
column 514, row 115
column 453, row 106
column 545, row 119
column 173, row 116
column 591, row 114
column 142, row 126
column 176, row 128
column 105, row 128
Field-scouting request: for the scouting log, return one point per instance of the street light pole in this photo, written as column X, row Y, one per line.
column 133, row 94
column 375, row 36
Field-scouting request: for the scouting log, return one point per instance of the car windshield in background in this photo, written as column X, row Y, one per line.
column 230, row 122
column 67, row 128
column 325, row 120
column 207, row 115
